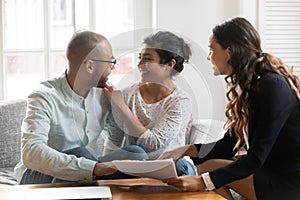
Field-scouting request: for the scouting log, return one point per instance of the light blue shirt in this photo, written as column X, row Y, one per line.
column 58, row 119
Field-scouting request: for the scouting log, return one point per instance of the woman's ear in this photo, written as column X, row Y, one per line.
column 228, row 50
column 171, row 63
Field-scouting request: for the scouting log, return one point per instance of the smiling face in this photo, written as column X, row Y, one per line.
column 219, row 57
column 102, row 70
column 150, row 69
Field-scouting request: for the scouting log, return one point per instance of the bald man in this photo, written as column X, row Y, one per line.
column 65, row 117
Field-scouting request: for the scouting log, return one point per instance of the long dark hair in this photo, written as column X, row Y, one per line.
column 169, row 46
column 248, row 63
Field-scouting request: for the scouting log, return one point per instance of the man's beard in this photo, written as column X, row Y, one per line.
column 102, row 83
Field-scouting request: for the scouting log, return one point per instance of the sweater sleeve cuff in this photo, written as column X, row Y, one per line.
column 207, row 181
column 141, row 140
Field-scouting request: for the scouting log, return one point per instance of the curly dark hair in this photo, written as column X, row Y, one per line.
column 248, row 63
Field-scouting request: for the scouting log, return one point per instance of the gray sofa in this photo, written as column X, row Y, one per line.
column 12, row 113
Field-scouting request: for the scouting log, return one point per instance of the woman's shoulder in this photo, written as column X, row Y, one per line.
column 130, row 90
column 273, row 84
column 182, row 93
column 272, row 76
column 271, row 79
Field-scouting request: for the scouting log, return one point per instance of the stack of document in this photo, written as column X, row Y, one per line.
column 158, row 169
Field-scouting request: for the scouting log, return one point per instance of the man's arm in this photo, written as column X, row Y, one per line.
column 36, row 152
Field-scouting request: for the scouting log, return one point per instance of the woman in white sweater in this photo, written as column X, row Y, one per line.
column 154, row 113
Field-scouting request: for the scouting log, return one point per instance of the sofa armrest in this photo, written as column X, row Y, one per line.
column 12, row 113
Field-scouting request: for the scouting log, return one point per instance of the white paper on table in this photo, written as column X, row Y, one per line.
column 82, row 192
column 158, row 169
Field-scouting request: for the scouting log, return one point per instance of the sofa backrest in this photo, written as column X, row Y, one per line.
column 12, row 113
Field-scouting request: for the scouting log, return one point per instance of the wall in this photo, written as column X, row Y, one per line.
column 194, row 20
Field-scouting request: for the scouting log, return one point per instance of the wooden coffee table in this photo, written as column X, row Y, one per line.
column 133, row 189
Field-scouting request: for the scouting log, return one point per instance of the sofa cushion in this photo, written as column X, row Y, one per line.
column 205, row 131
column 12, row 113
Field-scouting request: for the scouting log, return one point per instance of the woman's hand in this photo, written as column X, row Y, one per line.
column 176, row 154
column 189, row 126
column 187, row 183
column 131, row 123
column 104, row 168
column 108, row 90
column 114, row 96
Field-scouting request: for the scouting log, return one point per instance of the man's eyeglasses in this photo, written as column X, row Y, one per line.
column 113, row 61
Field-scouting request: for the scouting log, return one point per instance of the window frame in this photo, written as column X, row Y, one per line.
column 142, row 18
column 267, row 35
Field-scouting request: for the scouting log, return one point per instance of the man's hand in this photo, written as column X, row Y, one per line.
column 105, row 168
column 187, row 183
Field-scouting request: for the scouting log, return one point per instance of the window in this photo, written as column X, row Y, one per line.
column 35, row 34
column 280, row 27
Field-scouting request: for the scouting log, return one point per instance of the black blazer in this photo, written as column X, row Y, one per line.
column 274, row 135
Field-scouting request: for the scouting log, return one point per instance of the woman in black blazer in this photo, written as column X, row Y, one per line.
column 262, row 115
